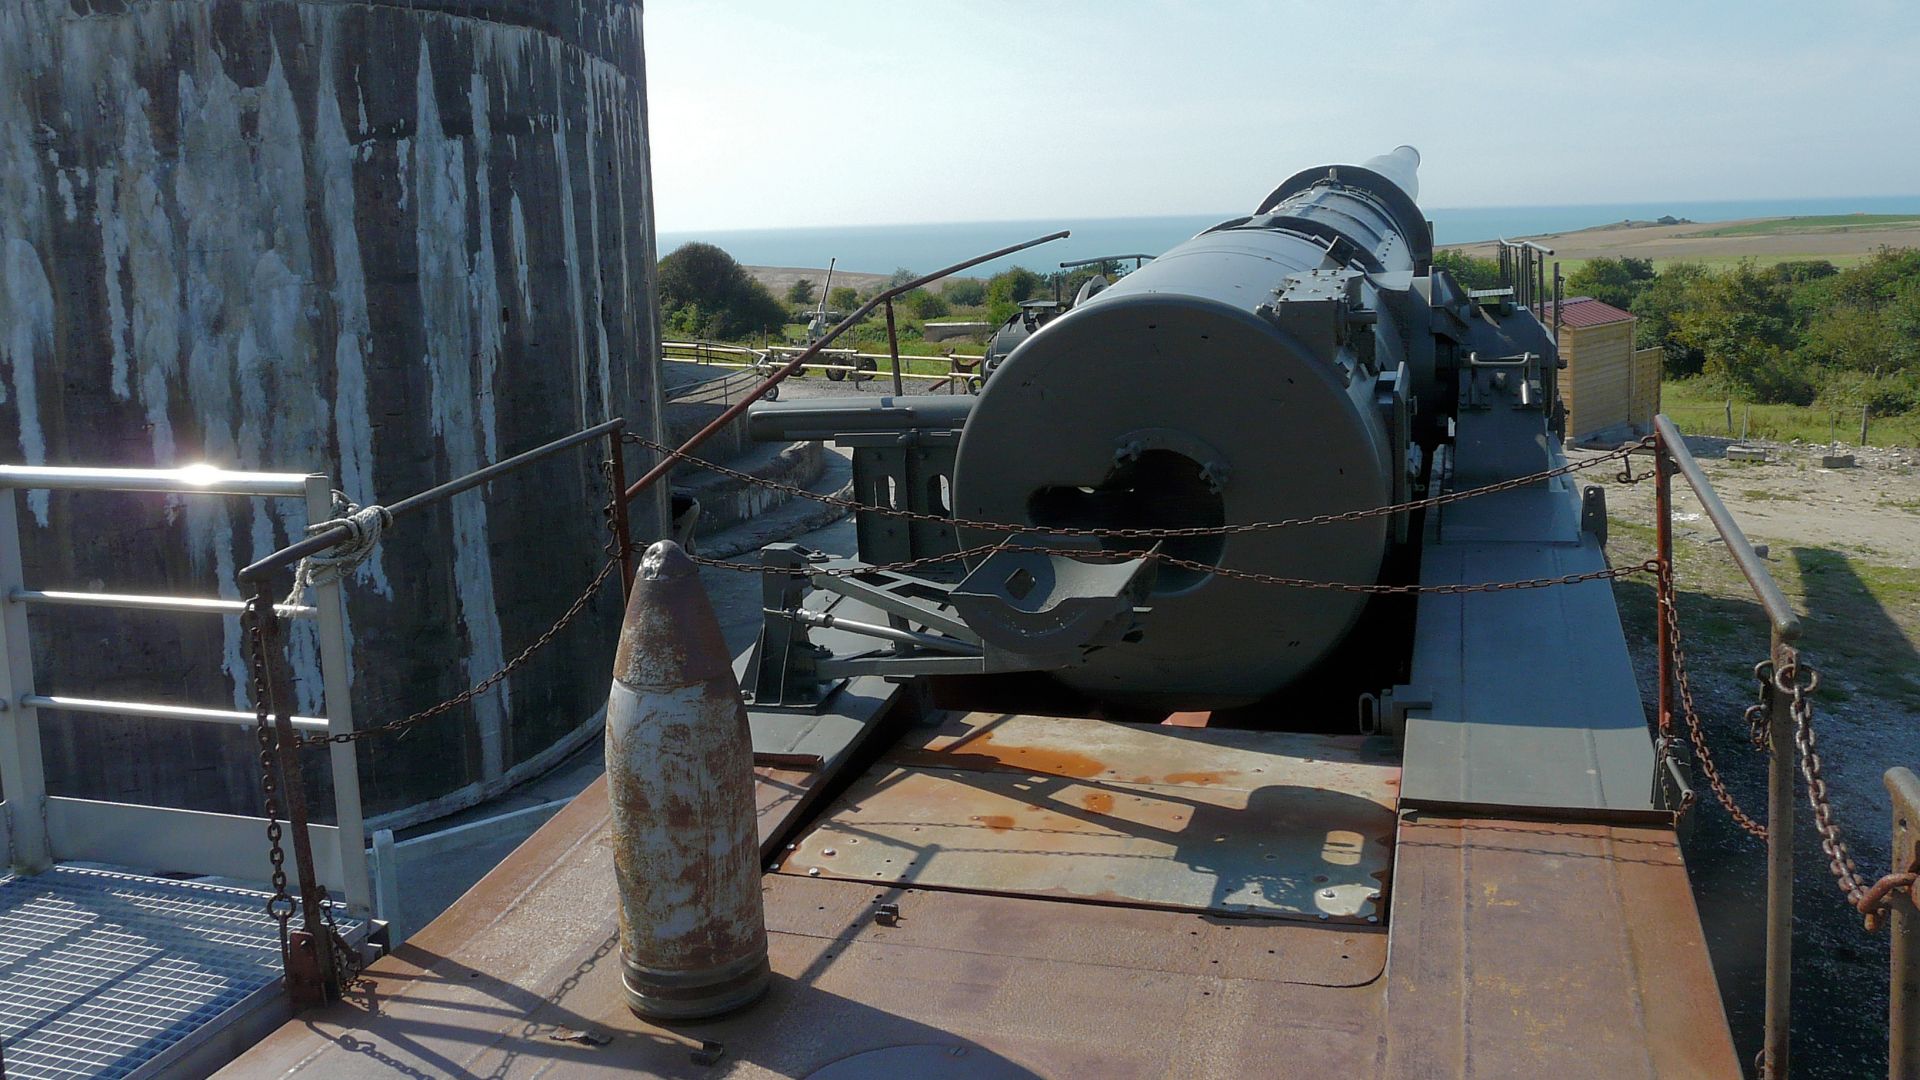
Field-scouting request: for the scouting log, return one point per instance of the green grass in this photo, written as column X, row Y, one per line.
column 1862, row 619
column 1817, row 223
column 1699, row 407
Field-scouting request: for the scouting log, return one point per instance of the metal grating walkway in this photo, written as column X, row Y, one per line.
column 101, row 972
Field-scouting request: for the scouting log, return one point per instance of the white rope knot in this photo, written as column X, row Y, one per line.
column 365, row 526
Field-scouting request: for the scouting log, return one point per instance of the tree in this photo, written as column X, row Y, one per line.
column 927, row 305
column 843, row 299
column 900, row 277
column 705, row 293
column 1741, row 326
column 1006, row 289
column 1469, row 271
column 1611, row 281
column 801, row 293
column 1657, row 304
column 964, row 292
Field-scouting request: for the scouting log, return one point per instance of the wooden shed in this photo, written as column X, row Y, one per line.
column 1610, row 388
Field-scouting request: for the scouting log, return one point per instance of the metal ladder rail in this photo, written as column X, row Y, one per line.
column 27, row 838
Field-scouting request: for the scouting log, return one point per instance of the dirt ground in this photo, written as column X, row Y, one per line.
column 1871, row 510
column 1683, row 242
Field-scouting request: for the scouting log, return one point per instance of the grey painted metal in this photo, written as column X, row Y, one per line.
column 1298, row 435
column 165, row 840
column 384, row 864
column 141, row 602
column 192, row 479
column 1530, row 698
column 1903, row 999
column 158, row 710
column 1785, row 623
column 22, row 767
column 344, row 758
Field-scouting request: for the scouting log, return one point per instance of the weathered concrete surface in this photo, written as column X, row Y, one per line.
column 389, row 241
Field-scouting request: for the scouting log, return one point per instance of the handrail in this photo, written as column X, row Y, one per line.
column 319, row 542
column 666, row 464
column 186, row 480
column 1779, row 611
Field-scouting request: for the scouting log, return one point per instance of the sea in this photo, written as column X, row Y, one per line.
column 882, row 249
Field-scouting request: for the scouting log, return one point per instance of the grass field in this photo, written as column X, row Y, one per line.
column 1821, row 223
column 1699, row 406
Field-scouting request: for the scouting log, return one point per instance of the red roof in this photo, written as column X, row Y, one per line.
column 1583, row 311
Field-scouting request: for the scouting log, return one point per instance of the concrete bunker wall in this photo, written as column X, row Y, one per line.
column 388, row 241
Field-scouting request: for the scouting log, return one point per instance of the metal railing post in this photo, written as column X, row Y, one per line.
column 22, row 769
column 330, row 624
column 311, row 978
column 622, row 523
column 1780, row 764
column 1663, row 585
column 893, row 350
column 1903, row 983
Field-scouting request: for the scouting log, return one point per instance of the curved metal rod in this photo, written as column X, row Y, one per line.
column 719, row 422
column 318, row 542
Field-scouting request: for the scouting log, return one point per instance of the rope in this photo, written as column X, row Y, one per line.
column 365, row 527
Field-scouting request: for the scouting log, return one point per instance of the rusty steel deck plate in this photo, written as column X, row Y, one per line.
column 1244, row 822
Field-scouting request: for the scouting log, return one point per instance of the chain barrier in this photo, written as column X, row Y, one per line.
column 1799, row 681
column 280, row 905
column 401, row 726
column 1620, row 453
column 983, row 550
column 1666, row 601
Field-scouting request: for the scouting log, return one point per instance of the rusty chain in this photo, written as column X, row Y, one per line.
column 400, row 726
column 280, row 905
column 1666, row 601
column 1621, row 453
column 983, row 550
column 1799, row 681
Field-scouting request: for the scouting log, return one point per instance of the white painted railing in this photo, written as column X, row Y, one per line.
column 37, row 830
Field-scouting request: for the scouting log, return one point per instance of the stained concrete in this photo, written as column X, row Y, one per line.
column 389, row 241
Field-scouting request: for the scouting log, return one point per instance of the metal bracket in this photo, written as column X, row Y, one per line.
column 1593, row 512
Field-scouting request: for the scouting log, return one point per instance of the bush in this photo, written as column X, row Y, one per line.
column 926, row 305
column 843, row 299
column 965, row 292
column 1470, row 271
column 1006, row 289
column 705, row 293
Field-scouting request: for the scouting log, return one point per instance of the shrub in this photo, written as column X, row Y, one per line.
column 965, row 292
column 705, row 293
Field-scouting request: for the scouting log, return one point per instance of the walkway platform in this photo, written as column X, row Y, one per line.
column 111, row 974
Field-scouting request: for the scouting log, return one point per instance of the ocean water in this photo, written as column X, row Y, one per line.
column 881, row 249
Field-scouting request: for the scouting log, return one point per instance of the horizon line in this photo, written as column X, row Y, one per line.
column 1049, row 221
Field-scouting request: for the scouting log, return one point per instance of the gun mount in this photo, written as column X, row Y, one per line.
column 1304, row 361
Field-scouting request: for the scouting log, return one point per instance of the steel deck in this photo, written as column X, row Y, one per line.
column 1474, row 974
column 107, row 974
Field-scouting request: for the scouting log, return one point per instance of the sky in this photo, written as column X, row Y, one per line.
column 849, row 112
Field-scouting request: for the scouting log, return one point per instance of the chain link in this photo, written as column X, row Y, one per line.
column 1669, row 609
column 1799, row 681
column 1621, row 453
column 983, row 550
column 280, row 905
column 399, row 726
